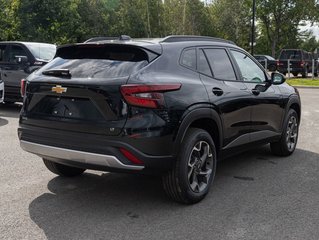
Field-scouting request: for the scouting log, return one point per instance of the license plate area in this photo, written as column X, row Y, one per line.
column 67, row 108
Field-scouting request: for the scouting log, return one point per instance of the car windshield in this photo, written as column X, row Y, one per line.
column 290, row 54
column 270, row 58
column 42, row 51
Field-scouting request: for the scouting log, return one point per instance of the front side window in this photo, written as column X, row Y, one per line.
column 220, row 64
column 3, row 53
column 250, row 71
column 16, row 51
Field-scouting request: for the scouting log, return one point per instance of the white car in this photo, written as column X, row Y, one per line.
column 1, row 91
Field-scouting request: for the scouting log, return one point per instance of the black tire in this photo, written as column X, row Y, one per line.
column 316, row 74
column 177, row 183
column 295, row 74
column 63, row 170
column 283, row 147
column 272, row 68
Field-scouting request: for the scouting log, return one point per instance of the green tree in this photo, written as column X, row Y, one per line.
column 279, row 21
column 232, row 19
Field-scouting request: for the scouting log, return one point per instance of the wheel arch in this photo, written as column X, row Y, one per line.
column 203, row 118
column 294, row 103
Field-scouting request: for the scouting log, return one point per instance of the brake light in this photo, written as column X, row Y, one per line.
column 302, row 64
column 148, row 96
column 279, row 63
column 23, row 87
column 130, row 156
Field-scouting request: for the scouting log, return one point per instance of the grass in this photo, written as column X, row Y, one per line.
column 303, row 82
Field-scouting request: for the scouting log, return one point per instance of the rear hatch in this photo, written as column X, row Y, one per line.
column 293, row 56
column 80, row 89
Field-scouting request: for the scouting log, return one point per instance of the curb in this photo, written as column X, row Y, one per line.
column 307, row 87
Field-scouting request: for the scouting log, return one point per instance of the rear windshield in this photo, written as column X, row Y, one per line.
column 96, row 61
column 291, row 54
column 42, row 51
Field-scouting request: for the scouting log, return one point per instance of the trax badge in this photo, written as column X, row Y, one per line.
column 59, row 89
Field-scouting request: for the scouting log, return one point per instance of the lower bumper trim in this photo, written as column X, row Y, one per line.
column 56, row 154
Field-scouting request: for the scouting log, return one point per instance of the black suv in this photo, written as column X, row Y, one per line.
column 172, row 106
column 301, row 62
column 18, row 60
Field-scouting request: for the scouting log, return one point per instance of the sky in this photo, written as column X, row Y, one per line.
column 314, row 29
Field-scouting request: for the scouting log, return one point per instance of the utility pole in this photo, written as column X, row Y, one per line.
column 253, row 28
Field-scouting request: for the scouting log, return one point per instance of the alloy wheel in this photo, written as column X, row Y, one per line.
column 200, row 166
column 292, row 133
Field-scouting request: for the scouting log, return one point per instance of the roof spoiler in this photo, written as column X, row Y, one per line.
column 99, row 39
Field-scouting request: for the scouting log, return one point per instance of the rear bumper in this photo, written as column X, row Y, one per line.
column 68, row 156
column 90, row 151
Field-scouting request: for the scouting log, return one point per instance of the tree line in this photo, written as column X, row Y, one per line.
column 69, row 21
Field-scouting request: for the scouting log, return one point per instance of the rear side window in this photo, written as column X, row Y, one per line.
column 291, row 54
column 188, row 58
column 220, row 64
column 203, row 66
column 96, row 61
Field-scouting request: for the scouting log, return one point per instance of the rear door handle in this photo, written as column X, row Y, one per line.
column 217, row 91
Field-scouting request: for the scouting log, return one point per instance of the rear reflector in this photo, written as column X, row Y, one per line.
column 148, row 96
column 23, row 87
column 130, row 156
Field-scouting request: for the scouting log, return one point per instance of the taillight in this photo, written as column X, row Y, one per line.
column 148, row 96
column 279, row 63
column 23, row 87
column 302, row 64
column 130, row 156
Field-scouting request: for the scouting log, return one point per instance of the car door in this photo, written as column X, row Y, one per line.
column 229, row 95
column 266, row 99
column 13, row 72
column 3, row 58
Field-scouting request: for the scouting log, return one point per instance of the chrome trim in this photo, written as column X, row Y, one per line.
column 55, row 153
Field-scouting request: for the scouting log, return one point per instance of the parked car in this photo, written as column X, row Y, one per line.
column 267, row 62
column 1, row 90
column 170, row 106
column 300, row 62
column 18, row 60
column 315, row 57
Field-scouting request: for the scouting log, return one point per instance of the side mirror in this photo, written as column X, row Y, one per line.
column 277, row 78
column 21, row 59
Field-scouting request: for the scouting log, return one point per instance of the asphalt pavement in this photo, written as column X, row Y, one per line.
column 255, row 195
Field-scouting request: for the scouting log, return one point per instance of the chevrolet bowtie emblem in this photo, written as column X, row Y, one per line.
column 59, row 89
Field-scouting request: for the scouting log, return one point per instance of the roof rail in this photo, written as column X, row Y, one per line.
column 98, row 39
column 187, row 38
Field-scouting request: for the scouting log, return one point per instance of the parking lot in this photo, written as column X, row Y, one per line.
column 254, row 196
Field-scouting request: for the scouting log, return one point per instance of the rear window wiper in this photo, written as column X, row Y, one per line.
column 58, row 73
